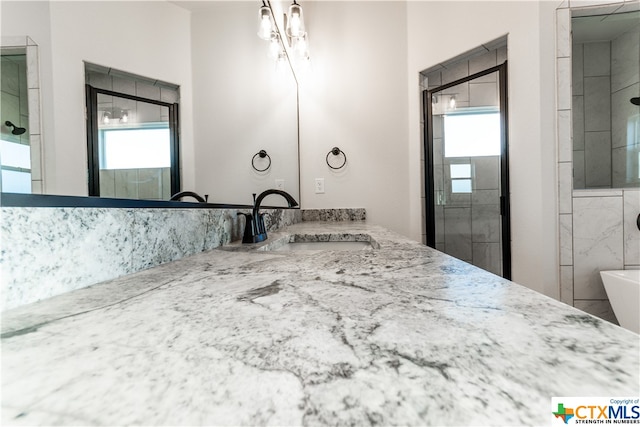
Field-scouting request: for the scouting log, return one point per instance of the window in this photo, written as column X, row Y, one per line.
column 460, row 178
column 472, row 133
column 135, row 148
column 16, row 167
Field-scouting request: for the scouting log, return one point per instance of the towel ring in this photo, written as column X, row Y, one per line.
column 262, row 154
column 336, row 152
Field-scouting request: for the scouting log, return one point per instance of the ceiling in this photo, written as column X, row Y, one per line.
column 603, row 27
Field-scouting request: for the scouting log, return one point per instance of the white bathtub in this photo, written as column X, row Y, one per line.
column 623, row 290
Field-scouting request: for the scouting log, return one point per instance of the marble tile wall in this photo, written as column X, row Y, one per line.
column 596, row 228
column 49, row 251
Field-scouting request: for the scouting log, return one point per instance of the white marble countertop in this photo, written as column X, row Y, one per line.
column 400, row 335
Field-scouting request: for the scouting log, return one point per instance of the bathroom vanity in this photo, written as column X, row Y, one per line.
column 396, row 333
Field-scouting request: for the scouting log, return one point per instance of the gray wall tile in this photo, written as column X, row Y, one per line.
column 457, row 229
column 487, row 173
column 577, row 69
column 488, row 256
column 625, row 58
column 578, row 122
column 483, row 94
column 578, row 170
column 597, row 104
column 481, row 63
column 150, row 183
column 126, row 183
column 455, row 71
column 146, row 90
column 597, row 59
column 485, row 223
column 598, row 159
column 107, row 183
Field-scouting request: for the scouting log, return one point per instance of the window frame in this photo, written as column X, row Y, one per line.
column 93, row 131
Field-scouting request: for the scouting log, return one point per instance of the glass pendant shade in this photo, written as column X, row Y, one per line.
column 274, row 46
column 295, row 23
column 266, row 27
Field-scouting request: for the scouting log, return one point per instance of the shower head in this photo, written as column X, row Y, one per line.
column 636, row 100
column 16, row 130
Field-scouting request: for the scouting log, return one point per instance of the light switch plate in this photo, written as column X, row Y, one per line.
column 319, row 185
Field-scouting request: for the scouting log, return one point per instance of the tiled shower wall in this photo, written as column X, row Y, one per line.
column 467, row 224
column 597, row 229
column 146, row 184
column 22, row 106
column 602, row 84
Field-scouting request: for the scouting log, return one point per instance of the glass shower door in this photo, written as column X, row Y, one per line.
column 467, row 177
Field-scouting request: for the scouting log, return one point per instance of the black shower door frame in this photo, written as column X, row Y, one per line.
column 93, row 148
column 505, row 211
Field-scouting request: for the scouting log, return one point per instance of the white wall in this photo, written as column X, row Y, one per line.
column 243, row 103
column 355, row 97
column 150, row 38
column 530, row 28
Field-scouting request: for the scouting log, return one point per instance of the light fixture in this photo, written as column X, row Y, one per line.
column 266, row 23
column 295, row 22
column 275, row 47
column 452, row 102
column 114, row 115
column 300, row 46
column 434, row 100
column 294, row 32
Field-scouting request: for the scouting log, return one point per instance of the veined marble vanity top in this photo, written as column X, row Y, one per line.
column 398, row 335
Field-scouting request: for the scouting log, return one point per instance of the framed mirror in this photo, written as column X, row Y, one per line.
column 235, row 99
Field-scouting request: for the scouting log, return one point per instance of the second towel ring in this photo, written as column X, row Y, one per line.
column 336, row 152
column 262, row 154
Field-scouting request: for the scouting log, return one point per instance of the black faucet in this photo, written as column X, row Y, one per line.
column 196, row 196
column 254, row 229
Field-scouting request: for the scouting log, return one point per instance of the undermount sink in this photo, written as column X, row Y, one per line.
column 324, row 246
column 322, row 242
